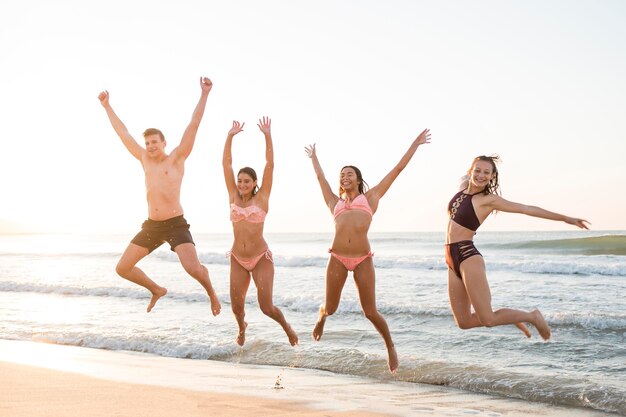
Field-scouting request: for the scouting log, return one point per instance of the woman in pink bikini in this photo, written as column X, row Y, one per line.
column 250, row 254
column 353, row 209
column 467, row 281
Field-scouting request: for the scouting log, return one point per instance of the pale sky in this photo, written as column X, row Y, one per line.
column 542, row 83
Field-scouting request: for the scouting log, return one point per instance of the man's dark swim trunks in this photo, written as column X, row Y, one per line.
column 154, row 233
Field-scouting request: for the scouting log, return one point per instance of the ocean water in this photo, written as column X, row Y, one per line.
column 63, row 289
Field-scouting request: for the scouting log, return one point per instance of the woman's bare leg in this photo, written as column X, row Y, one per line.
column 239, row 283
column 263, row 275
column 462, row 308
column 365, row 279
column 479, row 294
column 336, row 275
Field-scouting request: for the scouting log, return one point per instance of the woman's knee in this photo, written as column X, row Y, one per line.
column 122, row 269
column 267, row 309
column 463, row 324
column 238, row 309
column 486, row 319
column 330, row 310
column 371, row 314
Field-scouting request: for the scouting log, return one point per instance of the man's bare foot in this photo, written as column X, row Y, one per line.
column 292, row 335
column 523, row 328
column 155, row 297
column 241, row 337
column 392, row 361
column 541, row 325
column 318, row 330
column 216, row 307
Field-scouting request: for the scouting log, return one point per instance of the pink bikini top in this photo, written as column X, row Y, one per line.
column 250, row 214
column 359, row 203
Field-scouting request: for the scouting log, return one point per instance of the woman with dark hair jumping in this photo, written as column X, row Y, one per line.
column 353, row 209
column 250, row 254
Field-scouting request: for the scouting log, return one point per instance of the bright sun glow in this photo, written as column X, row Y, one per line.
column 540, row 84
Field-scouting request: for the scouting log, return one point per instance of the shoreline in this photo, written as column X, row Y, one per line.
column 47, row 379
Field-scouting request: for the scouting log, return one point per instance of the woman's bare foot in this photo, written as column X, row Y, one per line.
column 292, row 335
column 523, row 328
column 318, row 330
column 392, row 361
column 216, row 307
column 155, row 297
column 241, row 337
column 541, row 325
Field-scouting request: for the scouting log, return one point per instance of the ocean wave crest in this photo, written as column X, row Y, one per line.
column 596, row 321
column 566, row 266
column 306, row 304
column 558, row 390
column 9, row 286
column 596, row 245
column 606, row 266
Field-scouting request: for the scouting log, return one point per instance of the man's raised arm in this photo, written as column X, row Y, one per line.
column 189, row 137
column 131, row 144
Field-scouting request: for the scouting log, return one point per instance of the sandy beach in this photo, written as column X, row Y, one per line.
column 40, row 379
column 36, row 392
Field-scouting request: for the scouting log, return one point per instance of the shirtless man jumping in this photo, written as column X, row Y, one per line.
column 164, row 175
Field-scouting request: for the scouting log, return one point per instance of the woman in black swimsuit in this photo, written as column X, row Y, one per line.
column 467, row 281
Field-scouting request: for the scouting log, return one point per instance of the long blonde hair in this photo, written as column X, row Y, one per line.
column 494, row 184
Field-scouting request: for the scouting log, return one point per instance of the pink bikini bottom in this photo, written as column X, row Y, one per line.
column 349, row 262
column 250, row 264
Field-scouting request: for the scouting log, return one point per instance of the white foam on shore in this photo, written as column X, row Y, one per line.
column 318, row 389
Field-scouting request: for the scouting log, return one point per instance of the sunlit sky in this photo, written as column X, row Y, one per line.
column 542, row 83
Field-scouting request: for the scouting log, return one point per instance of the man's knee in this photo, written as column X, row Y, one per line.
column 196, row 270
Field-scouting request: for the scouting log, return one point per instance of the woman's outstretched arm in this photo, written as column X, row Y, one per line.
column 329, row 197
column 380, row 189
column 227, row 159
column 498, row 203
column 265, row 125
